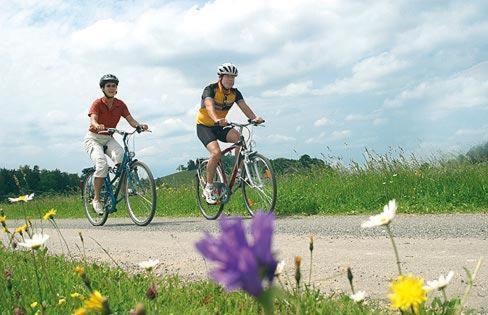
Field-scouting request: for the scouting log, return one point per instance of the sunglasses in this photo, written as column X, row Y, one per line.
column 110, row 85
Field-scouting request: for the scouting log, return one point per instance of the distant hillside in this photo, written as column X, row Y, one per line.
column 177, row 179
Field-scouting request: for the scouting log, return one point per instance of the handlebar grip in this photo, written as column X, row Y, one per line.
column 139, row 129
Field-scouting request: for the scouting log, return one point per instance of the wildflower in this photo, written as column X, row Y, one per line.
column 280, row 268
column 358, row 296
column 138, row 310
column 61, row 301
column 407, row 292
column 21, row 229
column 49, row 215
column 383, row 218
column 2, row 219
column 80, row 311
column 242, row 265
column 149, row 264
column 310, row 246
column 79, row 270
column 95, row 302
column 34, row 304
column 152, row 292
column 23, row 198
column 35, row 242
column 441, row 283
column 298, row 273
column 76, row 295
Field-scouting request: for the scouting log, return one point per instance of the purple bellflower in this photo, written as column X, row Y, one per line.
column 241, row 264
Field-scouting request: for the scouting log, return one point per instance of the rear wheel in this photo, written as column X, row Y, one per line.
column 140, row 193
column 210, row 212
column 259, row 184
column 88, row 194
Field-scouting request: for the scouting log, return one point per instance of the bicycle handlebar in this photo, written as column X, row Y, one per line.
column 111, row 131
column 249, row 122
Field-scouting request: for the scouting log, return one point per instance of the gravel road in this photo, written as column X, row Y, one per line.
column 429, row 245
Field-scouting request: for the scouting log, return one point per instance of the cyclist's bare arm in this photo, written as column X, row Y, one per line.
column 248, row 111
column 134, row 123
column 209, row 106
column 95, row 124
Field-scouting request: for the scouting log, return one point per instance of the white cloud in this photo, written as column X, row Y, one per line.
column 292, row 89
column 277, row 138
column 321, row 122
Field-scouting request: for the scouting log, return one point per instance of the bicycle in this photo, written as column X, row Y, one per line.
column 252, row 171
column 132, row 179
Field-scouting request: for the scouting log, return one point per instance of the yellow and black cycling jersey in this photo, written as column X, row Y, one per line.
column 223, row 100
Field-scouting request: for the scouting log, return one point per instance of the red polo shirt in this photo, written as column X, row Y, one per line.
column 108, row 117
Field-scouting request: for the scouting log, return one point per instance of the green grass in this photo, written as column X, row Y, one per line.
column 427, row 188
column 125, row 290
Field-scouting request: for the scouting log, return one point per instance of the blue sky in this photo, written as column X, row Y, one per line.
column 330, row 77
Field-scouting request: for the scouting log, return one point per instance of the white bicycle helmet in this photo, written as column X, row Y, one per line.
column 227, row 68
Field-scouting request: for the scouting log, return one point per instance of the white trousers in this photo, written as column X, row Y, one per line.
column 93, row 145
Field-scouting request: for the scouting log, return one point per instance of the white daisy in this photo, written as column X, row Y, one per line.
column 383, row 218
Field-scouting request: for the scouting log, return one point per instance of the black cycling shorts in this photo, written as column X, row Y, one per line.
column 208, row 134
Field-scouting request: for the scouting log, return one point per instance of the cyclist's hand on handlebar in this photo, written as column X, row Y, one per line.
column 142, row 127
column 222, row 122
column 100, row 127
column 258, row 120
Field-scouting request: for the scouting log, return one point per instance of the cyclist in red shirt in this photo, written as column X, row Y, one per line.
column 105, row 113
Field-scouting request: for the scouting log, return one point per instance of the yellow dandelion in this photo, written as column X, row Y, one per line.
column 21, row 229
column 79, row 270
column 76, row 295
column 267, row 174
column 61, row 301
column 49, row 215
column 34, row 304
column 3, row 219
column 407, row 292
column 80, row 311
column 95, row 302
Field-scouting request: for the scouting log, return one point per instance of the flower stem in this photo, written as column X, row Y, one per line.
column 444, row 294
column 38, row 281
column 310, row 271
column 387, row 226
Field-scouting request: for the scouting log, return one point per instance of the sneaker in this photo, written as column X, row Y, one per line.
column 98, row 206
column 210, row 194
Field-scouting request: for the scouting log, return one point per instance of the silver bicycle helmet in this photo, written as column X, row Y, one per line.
column 227, row 68
column 108, row 78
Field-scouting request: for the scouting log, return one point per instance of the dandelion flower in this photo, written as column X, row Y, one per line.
column 61, row 301
column 35, row 242
column 3, row 219
column 80, row 311
column 49, row 215
column 407, row 292
column 21, row 229
column 76, row 295
column 95, row 302
column 280, row 268
column 358, row 296
column 383, row 218
column 23, row 198
column 34, row 304
column 79, row 270
column 440, row 283
column 149, row 264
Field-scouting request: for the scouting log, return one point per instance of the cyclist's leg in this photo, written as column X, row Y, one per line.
column 95, row 151
column 233, row 136
column 115, row 151
column 215, row 154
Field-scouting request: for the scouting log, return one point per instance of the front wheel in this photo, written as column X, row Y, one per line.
column 140, row 193
column 258, row 184
column 209, row 211
column 88, row 194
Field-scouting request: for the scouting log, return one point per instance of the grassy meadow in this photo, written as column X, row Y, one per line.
column 440, row 187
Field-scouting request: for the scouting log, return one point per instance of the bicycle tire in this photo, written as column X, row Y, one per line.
column 210, row 212
column 254, row 198
column 139, row 187
column 88, row 192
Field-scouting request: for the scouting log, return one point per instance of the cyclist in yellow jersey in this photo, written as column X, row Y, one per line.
column 217, row 100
